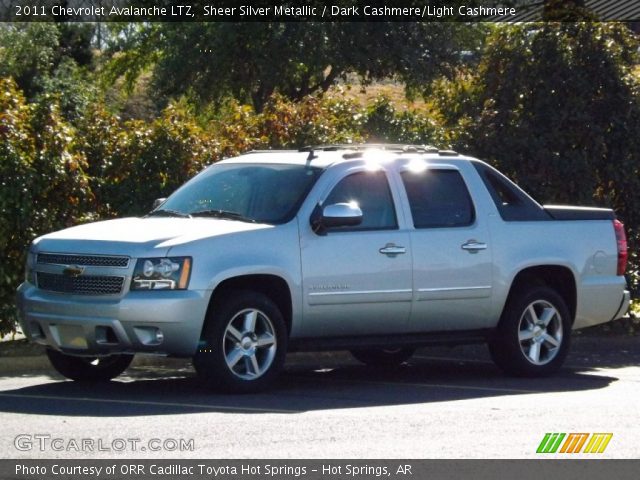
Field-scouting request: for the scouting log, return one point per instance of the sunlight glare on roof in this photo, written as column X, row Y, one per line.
column 373, row 159
column 417, row 165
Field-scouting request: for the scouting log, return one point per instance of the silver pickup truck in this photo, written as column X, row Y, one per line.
column 374, row 249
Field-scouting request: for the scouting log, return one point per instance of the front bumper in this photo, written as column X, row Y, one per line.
column 156, row 322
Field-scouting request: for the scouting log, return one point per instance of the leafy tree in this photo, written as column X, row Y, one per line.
column 566, row 11
column 50, row 59
column 557, row 107
column 250, row 61
column 76, row 42
column 28, row 53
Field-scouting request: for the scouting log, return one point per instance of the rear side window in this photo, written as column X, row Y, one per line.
column 503, row 194
column 438, row 198
column 370, row 190
column 513, row 204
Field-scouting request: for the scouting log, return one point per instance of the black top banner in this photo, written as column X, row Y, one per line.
column 317, row 11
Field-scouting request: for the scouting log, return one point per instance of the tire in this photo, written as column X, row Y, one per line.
column 87, row 369
column 383, row 357
column 244, row 343
column 534, row 333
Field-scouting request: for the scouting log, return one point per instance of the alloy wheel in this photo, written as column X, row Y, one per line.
column 249, row 344
column 540, row 332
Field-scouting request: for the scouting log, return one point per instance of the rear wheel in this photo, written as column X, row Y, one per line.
column 244, row 343
column 88, row 369
column 534, row 333
column 383, row 357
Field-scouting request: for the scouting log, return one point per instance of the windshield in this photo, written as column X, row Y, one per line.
column 263, row 193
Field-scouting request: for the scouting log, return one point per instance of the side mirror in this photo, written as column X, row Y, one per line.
column 341, row 215
column 157, row 202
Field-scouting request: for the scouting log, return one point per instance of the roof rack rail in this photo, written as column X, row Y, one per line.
column 448, row 153
column 266, row 150
column 391, row 147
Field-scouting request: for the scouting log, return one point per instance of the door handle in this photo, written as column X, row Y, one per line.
column 473, row 246
column 391, row 249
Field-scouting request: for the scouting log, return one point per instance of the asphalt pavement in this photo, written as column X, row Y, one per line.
column 444, row 403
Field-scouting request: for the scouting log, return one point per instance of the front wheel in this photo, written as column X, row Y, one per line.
column 88, row 369
column 244, row 343
column 383, row 357
column 534, row 333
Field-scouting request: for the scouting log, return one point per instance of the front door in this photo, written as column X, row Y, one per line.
column 357, row 280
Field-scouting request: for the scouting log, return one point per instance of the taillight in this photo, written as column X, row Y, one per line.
column 621, row 240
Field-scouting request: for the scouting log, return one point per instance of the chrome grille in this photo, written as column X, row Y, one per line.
column 81, row 285
column 85, row 260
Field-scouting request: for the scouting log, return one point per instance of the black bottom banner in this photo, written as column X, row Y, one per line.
column 583, row 469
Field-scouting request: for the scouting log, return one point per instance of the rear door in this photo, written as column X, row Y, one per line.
column 452, row 277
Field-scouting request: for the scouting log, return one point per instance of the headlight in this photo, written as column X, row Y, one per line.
column 169, row 273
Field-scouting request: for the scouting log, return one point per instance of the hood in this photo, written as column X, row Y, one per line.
column 137, row 237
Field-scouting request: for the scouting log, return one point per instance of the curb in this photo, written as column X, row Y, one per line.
column 16, row 366
column 22, row 365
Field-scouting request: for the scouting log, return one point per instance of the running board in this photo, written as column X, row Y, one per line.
column 412, row 340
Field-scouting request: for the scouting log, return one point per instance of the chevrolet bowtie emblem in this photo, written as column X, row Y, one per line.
column 73, row 271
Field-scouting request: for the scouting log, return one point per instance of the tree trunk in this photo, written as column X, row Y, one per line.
column 260, row 96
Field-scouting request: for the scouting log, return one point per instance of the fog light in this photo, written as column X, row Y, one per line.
column 149, row 335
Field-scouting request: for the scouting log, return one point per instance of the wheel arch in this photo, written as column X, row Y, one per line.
column 558, row 277
column 273, row 286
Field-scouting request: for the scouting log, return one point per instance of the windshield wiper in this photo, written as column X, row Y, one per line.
column 165, row 212
column 222, row 214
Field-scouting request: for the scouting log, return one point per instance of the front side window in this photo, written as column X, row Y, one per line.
column 263, row 193
column 438, row 198
column 370, row 190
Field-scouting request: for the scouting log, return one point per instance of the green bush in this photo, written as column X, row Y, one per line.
column 325, row 119
column 135, row 162
column 384, row 123
column 44, row 186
